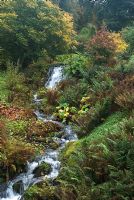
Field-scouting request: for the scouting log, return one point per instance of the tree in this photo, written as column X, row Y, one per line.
column 128, row 35
column 104, row 46
column 28, row 27
column 116, row 13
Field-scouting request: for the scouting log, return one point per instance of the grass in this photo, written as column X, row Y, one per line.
column 111, row 125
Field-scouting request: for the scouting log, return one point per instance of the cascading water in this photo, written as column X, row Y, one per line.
column 55, row 77
column 51, row 156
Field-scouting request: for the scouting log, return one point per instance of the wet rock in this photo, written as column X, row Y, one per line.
column 52, row 143
column 3, row 188
column 42, row 170
column 59, row 134
column 18, row 187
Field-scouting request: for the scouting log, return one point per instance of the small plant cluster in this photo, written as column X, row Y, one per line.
column 65, row 112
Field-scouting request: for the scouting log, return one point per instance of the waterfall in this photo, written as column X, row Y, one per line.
column 50, row 156
column 55, row 77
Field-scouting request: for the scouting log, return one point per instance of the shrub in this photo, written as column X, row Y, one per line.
column 104, row 46
column 15, row 83
column 101, row 83
column 14, row 156
column 73, row 94
column 128, row 125
column 41, row 191
column 40, row 129
column 36, row 73
column 3, row 89
column 65, row 112
column 75, row 64
column 125, row 93
column 93, row 117
column 126, row 100
column 18, row 127
column 128, row 35
column 52, row 96
column 129, row 67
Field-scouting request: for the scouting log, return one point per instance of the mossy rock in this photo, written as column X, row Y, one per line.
column 42, row 170
column 40, row 192
column 52, row 143
column 42, row 129
column 57, row 134
column 18, row 187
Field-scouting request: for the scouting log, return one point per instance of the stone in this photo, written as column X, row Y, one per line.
column 42, row 170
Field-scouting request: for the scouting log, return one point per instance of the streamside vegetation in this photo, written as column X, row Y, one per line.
column 95, row 97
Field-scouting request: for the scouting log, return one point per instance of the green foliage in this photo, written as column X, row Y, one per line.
column 102, row 82
column 36, row 73
column 111, row 124
column 65, row 112
column 93, row 116
column 32, row 193
column 86, row 33
column 128, row 35
column 3, row 90
column 39, row 192
column 15, row 84
column 104, row 163
column 18, row 127
column 13, row 155
column 129, row 66
column 75, row 64
column 35, row 26
column 128, row 125
column 74, row 93
column 115, row 14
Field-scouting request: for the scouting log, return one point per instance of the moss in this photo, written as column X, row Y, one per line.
column 42, row 170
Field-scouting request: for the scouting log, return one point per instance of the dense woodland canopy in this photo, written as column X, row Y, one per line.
column 91, row 43
column 31, row 27
column 115, row 13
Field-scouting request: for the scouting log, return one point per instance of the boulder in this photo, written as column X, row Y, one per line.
column 42, row 170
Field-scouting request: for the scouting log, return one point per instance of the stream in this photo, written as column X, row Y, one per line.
column 50, row 156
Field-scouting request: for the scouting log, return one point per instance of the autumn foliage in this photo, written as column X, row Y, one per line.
column 15, row 113
column 104, row 46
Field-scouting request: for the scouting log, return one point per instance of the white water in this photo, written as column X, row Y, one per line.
column 51, row 156
column 56, row 77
